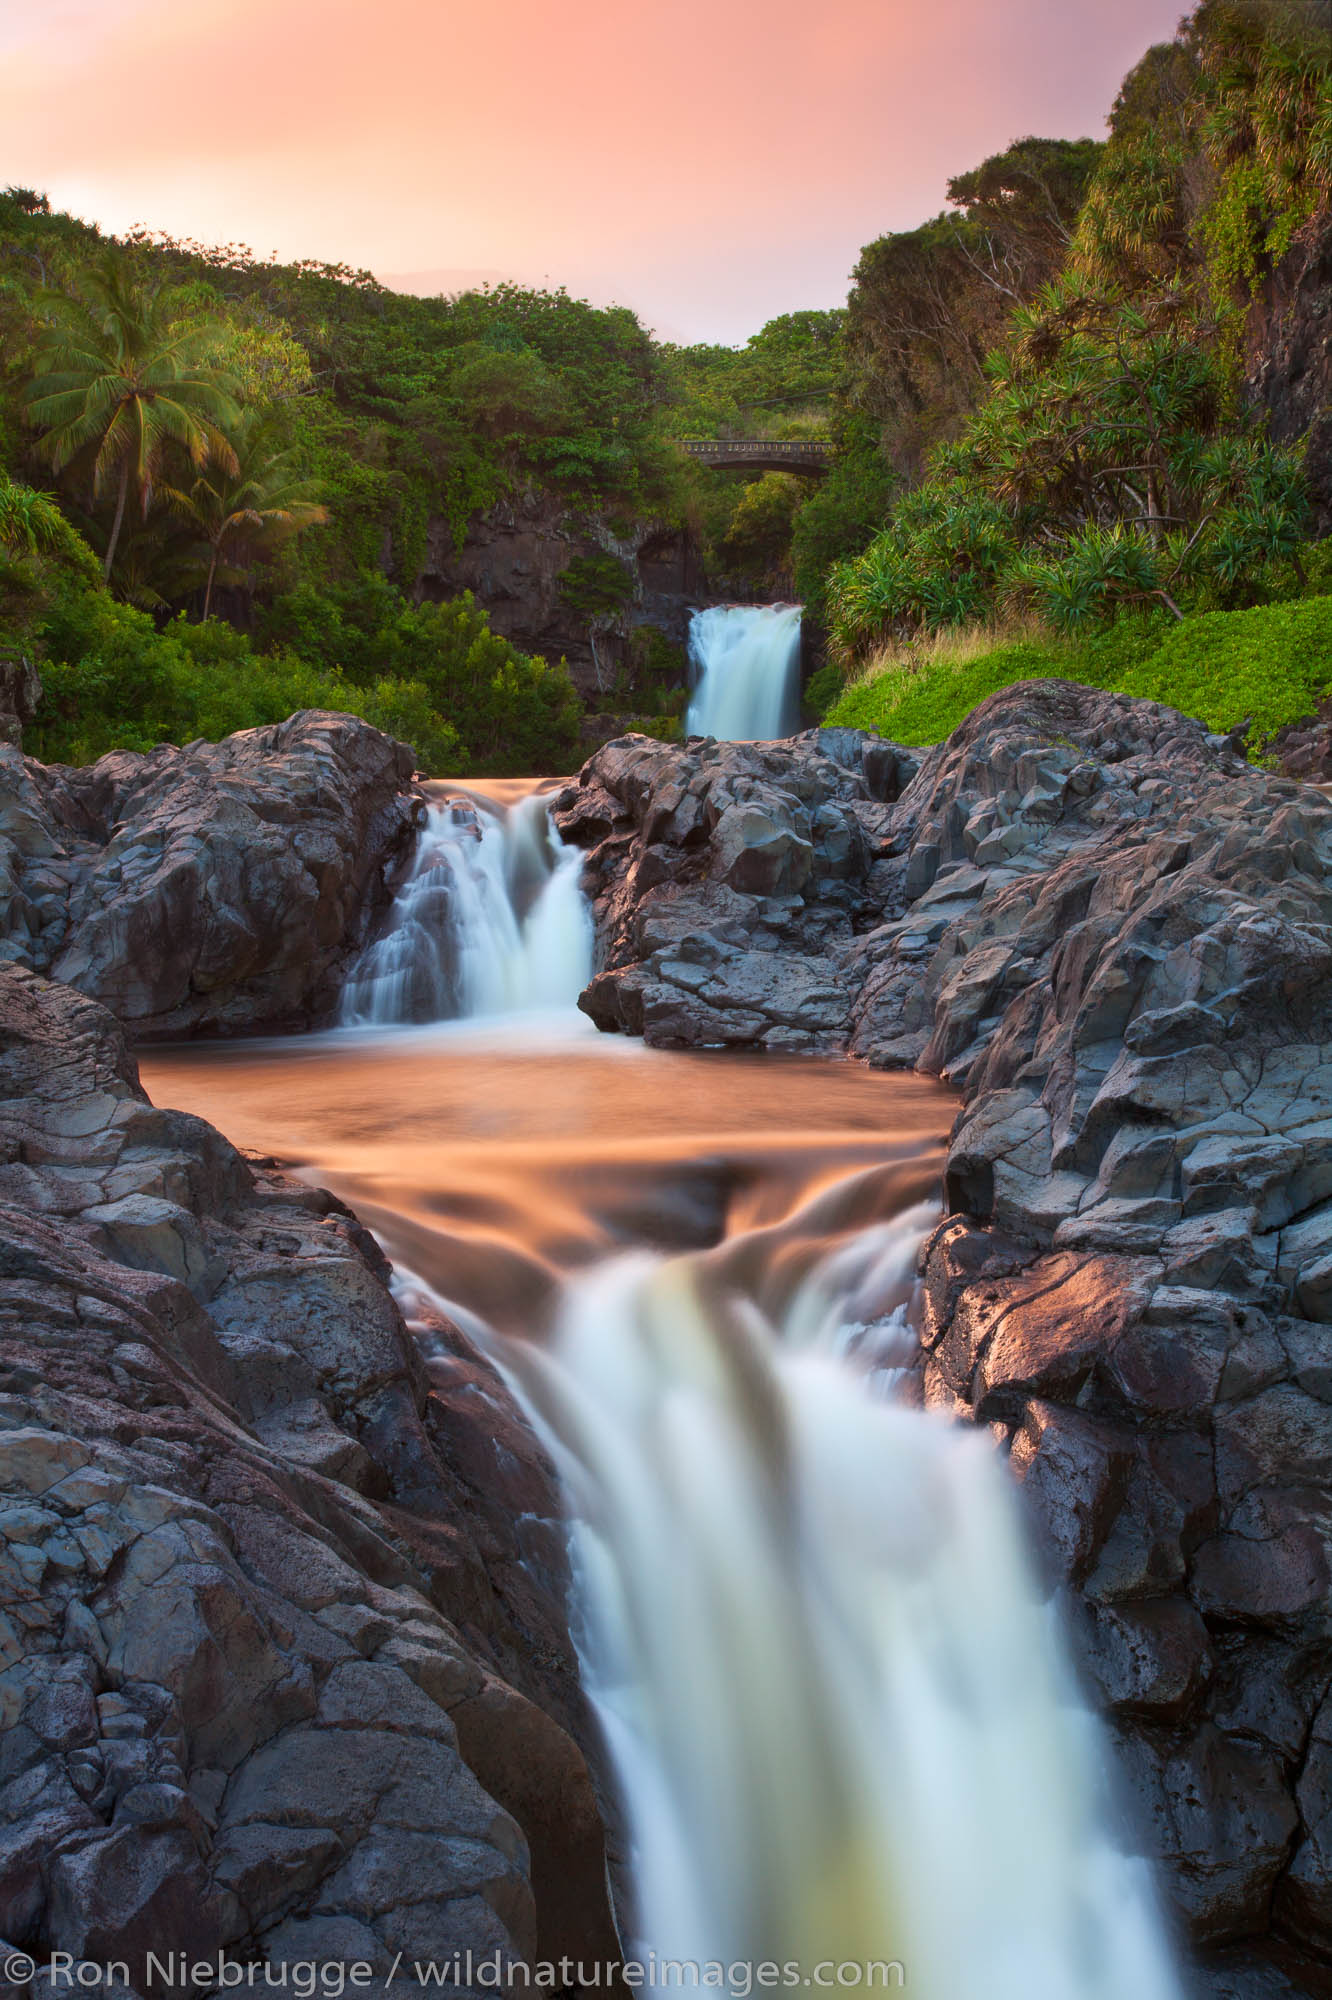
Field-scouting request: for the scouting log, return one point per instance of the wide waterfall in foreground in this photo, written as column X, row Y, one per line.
column 489, row 920
column 844, row 1726
column 748, row 656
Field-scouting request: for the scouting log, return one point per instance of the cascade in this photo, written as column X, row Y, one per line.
column 748, row 657
column 842, row 1719
column 490, row 918
column 841, row 1714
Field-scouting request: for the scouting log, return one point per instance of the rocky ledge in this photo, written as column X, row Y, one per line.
column 1115, row 936
column 218, row 889
column 284, row 1670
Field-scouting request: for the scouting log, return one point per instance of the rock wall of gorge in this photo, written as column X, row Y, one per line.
column 1108, row 930
column 514, row 556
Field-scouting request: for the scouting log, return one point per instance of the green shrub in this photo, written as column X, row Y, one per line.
column 823, row 690
column 514, row 712
column 1264, row 667
column 251, row 690
column 112, row 681
column 403, row 709
column 656, row 660
column 312, row 621
column 596, row 586
column 756, row 547
column 1260, row 668
column 499, row 706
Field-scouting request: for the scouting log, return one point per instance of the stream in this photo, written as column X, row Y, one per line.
column 839, row 1710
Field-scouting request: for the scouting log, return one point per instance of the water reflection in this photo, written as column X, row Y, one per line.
column 497, row 1169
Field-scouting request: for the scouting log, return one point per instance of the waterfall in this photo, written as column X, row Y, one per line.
column 490, row 919
column 841, row 1716
column 748, row 656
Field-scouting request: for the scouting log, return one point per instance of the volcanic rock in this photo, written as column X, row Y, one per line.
column 268, row 1653
column 1114, row 936
column 218, row 889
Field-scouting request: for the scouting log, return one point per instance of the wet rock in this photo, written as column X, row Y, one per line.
column 20, row 692
column 1229, row 1819
column 728, row 880
column 1150, row 1657
column 1115, row 937
column 221, row 888
column 1305, row 1900
column 1243, row 1975
column 256, row 1691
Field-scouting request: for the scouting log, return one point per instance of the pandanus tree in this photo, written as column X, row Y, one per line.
column 250, row 501
column 121, row 383
column 32, row 524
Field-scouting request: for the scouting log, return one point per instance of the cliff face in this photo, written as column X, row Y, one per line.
column 1288, row 363
column 512, row 562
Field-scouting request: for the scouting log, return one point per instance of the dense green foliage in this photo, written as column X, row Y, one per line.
column 123, row 385
column 1101, row 455
column 114, row 679
column 1250, row 671
column 928, row 305
column 776, row 386
column 783, row 383
column 1264, row 667
column 230, row 486
column 845, row 510
column 274, row 443
column 598, row 585
column 915, row 706
column 269, row 441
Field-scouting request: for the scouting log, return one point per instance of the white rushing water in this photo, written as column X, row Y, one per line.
column 841, row 1716
column 748, row 656
column 842, row 1719
column 491, row 919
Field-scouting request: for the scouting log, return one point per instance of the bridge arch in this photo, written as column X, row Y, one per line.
column 807, row 457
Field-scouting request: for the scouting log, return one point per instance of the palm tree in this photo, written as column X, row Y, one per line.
column 263, row 494
column 120, row 379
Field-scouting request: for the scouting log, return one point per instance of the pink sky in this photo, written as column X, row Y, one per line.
column 708, row 162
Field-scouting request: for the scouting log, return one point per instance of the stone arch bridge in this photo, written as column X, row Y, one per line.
column 809, row 457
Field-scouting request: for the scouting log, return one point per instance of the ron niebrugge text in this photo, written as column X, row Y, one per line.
column 312, row 1979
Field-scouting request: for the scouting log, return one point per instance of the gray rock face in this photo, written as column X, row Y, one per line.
column 221, row 888
column 20, row 692
column 1115, row 938
column 1287, row 360
column 729, row 879
column 514, row 555
column 267, row 1647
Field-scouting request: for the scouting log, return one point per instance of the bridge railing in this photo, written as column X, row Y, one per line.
column 756, row 447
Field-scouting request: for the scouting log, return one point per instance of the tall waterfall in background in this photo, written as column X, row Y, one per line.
column 749, row 671
column 842, row 1719
column 491, row 919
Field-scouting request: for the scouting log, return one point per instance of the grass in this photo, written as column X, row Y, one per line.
column 1263, row 667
